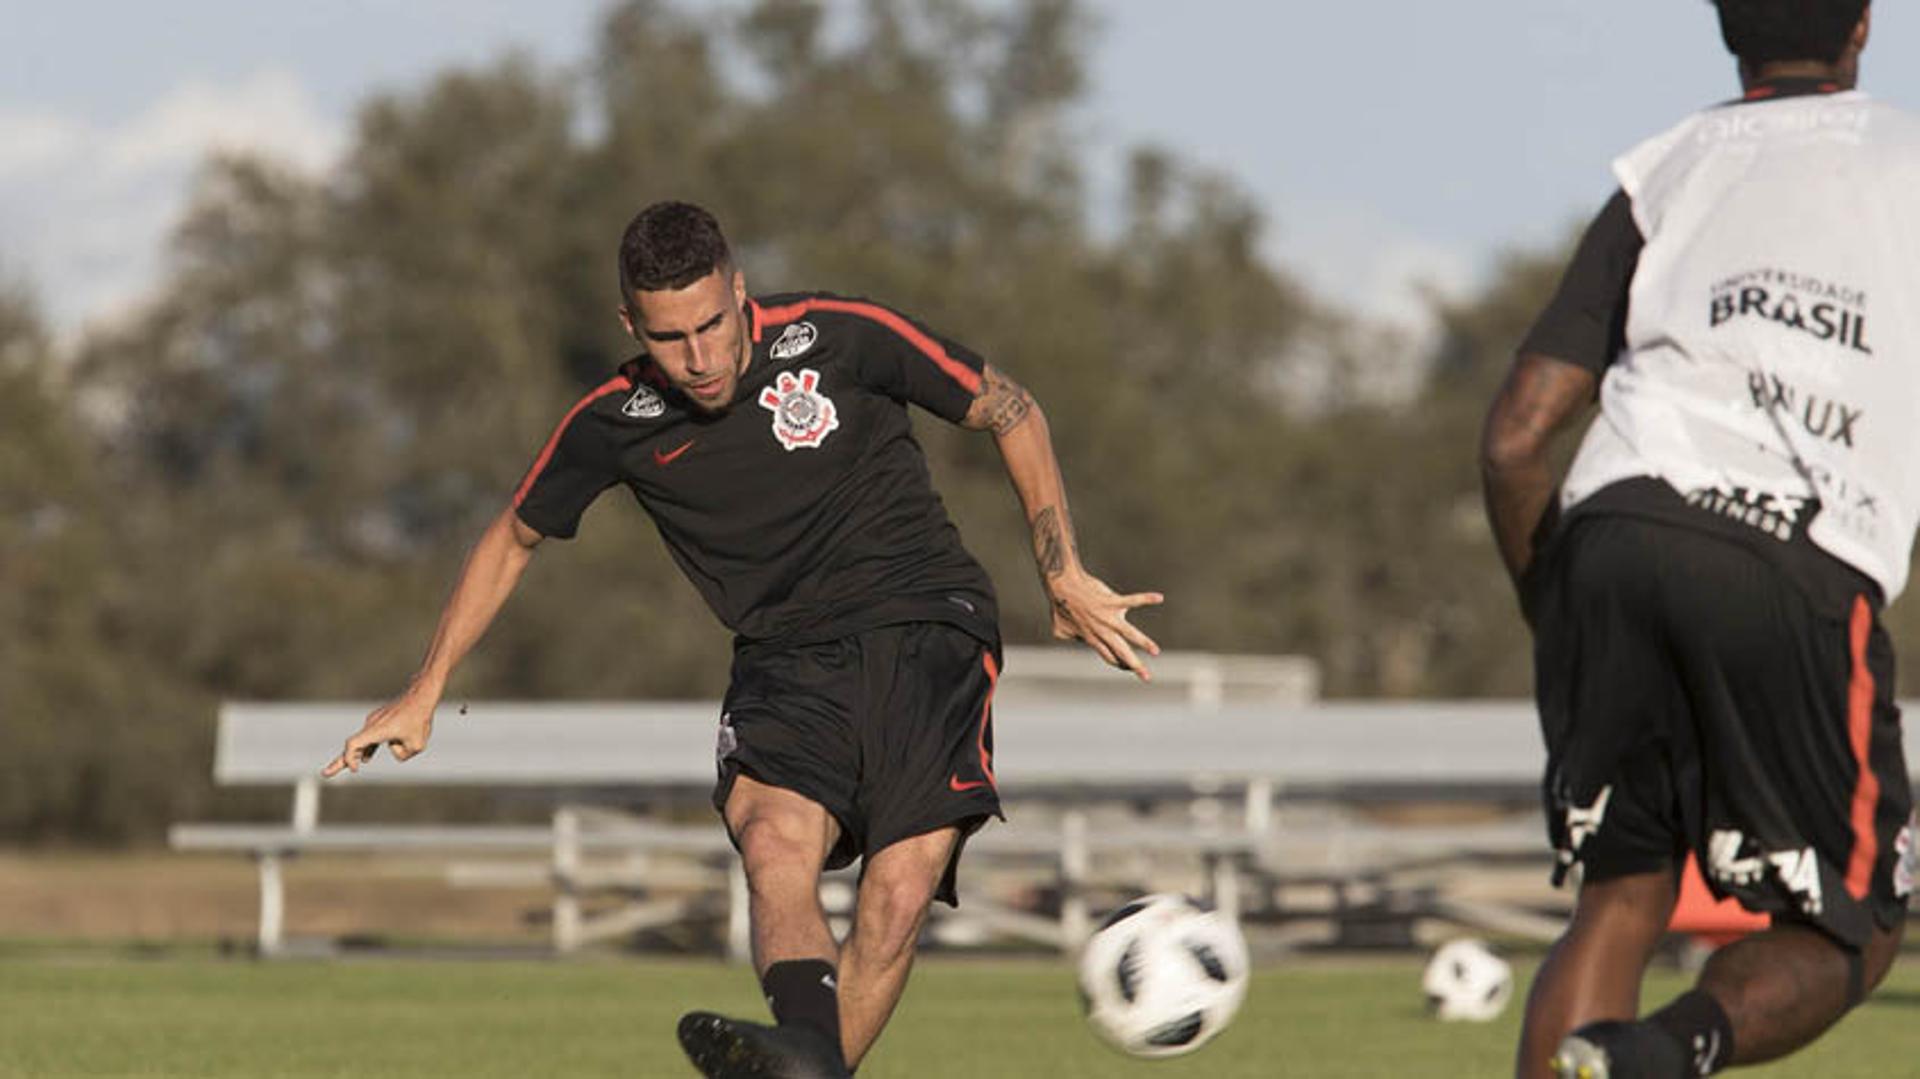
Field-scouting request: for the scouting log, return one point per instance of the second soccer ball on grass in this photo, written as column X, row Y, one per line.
column 1466, row 981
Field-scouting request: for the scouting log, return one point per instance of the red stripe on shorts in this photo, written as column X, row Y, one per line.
column 1866, row 789
column 986, row 717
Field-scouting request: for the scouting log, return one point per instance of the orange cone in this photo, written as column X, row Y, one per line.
column 1712, row 921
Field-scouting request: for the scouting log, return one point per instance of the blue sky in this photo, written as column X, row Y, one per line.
column 1389, row 142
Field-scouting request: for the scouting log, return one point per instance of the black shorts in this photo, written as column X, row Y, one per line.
column 1693, row 699
column 891, row 730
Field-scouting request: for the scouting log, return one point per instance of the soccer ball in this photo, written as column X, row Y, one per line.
column 1465, row 980
column 1163, row 975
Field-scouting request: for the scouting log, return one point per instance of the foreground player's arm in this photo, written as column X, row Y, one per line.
column 1540, row 398
column 1554, row 377
column 492, row 570
column 1084, row 608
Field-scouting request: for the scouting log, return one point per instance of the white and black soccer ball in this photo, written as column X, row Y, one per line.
column 1466, row 981
column 1163, row 975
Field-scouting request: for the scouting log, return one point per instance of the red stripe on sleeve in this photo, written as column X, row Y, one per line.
column 967, row 377
column 1866, row 788
column 764, row 315
column 612, row 385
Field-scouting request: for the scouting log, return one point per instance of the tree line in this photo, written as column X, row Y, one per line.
column 261, row 484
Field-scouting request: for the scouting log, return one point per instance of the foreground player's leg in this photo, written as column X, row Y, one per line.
column 1782, row 988
column 1758, row 999
column 784, row 839
column 1593, row 971
column 895, row 891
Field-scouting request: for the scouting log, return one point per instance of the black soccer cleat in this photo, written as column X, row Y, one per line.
column 1619, row 1050
column 724, row 1048
column 1581, row 1058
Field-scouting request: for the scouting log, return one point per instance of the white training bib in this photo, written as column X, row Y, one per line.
column 1773, row 333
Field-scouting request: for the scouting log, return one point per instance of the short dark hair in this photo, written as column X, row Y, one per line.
column 670, row 245
column 1765, row 31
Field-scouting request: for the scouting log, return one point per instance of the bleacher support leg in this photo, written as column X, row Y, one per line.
column 566, row 880
column 1226, row 885
column 1075, row 867
column 273, row 905
column 306, row 803
column 1260, row 806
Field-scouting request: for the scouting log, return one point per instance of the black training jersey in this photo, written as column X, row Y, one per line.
column 805, row 511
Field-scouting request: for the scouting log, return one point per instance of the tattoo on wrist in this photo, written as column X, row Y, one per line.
column 1049, row 544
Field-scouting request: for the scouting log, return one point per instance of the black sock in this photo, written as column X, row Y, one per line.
column 1856, row 978
column 1700, row 1025
column 1640, row 1049
column 805, row 991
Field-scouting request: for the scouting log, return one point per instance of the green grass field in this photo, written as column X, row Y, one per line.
column 962, row 1019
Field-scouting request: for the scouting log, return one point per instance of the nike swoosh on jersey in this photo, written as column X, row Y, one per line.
column 954, row 784
column 669, row 457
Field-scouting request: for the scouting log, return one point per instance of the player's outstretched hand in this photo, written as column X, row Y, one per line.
column 1085, row 609
column 403, row 725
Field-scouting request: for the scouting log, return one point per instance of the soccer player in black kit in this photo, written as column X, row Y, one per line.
column 769, row 441
column 1712, row 674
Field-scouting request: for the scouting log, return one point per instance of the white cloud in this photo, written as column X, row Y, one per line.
column 1357, row 260
column 268, row 113
column 30, row 142
column 85, row 208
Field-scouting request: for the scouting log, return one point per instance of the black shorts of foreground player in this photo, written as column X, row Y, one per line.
column 1705, row 589
column 768, row 439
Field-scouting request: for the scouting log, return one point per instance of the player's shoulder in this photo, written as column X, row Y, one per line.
column 853, row 313
column 636, row 389
column 825, row 326
column 1656, row 146
column 608, row 386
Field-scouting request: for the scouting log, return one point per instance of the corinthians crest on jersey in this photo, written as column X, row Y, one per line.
column 802, row 415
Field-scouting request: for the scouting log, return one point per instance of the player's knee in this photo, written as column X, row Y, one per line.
column 901, row 898
column 772, row 846
column 892, row 911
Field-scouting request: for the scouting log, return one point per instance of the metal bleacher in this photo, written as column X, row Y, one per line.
column 1225, row 776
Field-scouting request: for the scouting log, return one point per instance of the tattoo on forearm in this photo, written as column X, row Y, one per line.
column 1003, row 404
column 1010, row 413
column 1049, row 543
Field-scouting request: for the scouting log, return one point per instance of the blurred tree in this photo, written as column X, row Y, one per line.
column 1422, row 605
column 262, row 484
column 79, row 751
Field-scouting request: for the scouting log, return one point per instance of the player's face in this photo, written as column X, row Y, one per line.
column 697, row 334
